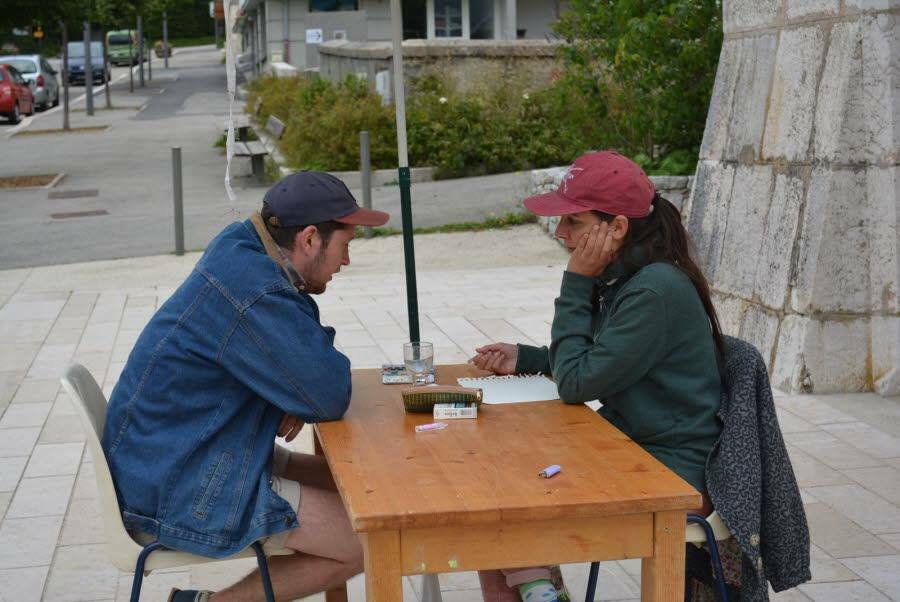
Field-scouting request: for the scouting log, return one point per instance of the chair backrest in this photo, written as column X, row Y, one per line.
column 90, row 404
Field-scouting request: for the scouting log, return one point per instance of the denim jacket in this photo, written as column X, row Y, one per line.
column 191, row 423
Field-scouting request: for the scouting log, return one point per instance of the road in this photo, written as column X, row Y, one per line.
column 117, row 189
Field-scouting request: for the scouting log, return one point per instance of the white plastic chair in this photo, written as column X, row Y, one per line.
column 123, row 551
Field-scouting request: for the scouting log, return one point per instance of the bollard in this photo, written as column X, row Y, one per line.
column 179, row 202
column 365, row 170
column 140, row 29
column 165, row 40
column 88, row 71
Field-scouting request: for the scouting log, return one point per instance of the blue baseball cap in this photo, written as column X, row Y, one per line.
column 313, row 197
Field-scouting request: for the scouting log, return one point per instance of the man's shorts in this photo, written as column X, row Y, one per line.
column 287, row 489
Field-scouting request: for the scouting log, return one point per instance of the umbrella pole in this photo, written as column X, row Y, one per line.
column 409, row 255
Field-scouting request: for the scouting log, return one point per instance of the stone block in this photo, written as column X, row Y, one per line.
column 745, row 226
column 886, row 354
column 760, row 328
column 884, row 239
column 792, row 99
column 832, row 257
column 730, row 311
column 737, row 108
column 821, row 357
column 806, row 8
column 773, row 269
column 855, row 116
column 706, row 213
column 851, row 6
column 749, row 14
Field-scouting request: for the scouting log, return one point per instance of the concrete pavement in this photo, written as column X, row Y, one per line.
column 473, row 288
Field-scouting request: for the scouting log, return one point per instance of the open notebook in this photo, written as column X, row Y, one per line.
column 513, row 389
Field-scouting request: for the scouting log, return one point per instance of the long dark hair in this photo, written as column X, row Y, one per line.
column 663, row 238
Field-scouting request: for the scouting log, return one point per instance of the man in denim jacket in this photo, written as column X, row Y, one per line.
column 235, row 357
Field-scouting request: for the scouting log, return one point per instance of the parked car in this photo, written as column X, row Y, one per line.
column 16, row 98
column 122, row 46
column 40, row 76
column 76, row 63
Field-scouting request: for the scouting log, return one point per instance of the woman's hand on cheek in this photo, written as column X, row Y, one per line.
column 595, row 251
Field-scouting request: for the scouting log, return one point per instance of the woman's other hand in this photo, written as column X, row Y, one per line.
column 499, row 358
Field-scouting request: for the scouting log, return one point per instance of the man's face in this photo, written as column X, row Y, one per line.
column 328, row 261
column 572, row 226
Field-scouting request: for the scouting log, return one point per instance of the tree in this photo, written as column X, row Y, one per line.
column 647, row 67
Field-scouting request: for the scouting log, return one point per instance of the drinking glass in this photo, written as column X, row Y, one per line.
column 418, row 359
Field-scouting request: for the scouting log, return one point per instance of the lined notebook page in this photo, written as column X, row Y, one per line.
column 513, row 389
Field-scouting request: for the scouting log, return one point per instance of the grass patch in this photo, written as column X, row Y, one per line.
column 220, row 141
column 175, row 43
column 491, row 223
column 34, row 181
column 79, row 130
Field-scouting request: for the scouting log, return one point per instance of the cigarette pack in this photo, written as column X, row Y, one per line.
column 452, row 411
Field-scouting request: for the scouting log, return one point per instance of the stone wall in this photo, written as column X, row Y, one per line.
column 795, row 207
column 675, row 188
column 470, row 63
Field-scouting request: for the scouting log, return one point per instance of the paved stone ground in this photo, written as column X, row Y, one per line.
column 474, row 287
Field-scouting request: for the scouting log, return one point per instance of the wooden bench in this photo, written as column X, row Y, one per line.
column 275, row 126
column 257, row 153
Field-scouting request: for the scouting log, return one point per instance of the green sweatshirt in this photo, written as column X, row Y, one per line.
column 644, row 348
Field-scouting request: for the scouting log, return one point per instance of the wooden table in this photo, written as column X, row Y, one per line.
column 469, row 497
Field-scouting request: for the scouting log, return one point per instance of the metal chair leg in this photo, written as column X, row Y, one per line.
column 592, row 582
column 139, row 570
column 713, row 554
column 264, row 571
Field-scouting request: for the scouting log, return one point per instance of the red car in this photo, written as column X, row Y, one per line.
column 15, row 95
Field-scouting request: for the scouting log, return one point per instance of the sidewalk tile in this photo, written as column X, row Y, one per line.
column 37, row 391
column 497, row 330
column 63, row 405
column 850, row 591
column 861, row 506
column 81, row 573
column 26, row 331
column 810, row 472
column 872, row 441
column 839, row 536
column 17, row 442
column 10, row 471
column 9, row 383
column 43, row 496
column 465, row 595
column 881, row 571
column 812, row 409
column 51, row 361
column 25, row 414
column 882, row 480
column 893, row 539
column 365, row 357
column 17, row 310
column 28, row 542
column 456, row 581
column 23, row 585
column 18, row 356
column 791, row 595
column 791, row 423
column 62, row 429
column 86, row 482
column 78, row 305
column 98, row 337
column 83, row 524
column 830, row 450
column 54, row 460
column 155, row 587
column 824, row 568
column 219, row 575
column 614, row 582
column 354, row 338
column 5, row 499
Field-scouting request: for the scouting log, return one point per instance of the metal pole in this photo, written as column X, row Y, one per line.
column 179, row 203
column 365, row 170
column 140, row 27
column 286, row 17
column 409, row 255
column 150, row 64
column 216, row 29
column 106, row 71
column 65, row 76
column 130, row 64
column 88, row 71
column 165, row 40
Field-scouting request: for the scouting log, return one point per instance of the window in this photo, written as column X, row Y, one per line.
column 23, row 65
column 319, row 6
column 2, row 77
column 448, row 18
column 481, row 19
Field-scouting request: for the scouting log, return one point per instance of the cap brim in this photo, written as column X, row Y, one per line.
column 364, row 217
column 552, row 203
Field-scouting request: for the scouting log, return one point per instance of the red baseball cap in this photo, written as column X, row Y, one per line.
column 599, row 181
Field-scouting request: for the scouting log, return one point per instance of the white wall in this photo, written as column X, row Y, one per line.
column 536, row 17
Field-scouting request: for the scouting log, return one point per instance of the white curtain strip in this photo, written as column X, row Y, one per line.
column 231, row 78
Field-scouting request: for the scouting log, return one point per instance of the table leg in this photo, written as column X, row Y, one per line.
column 662, row 576
column 382, row 562
column 337, row 594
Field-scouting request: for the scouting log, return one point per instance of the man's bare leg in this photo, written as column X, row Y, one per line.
column 328, row 549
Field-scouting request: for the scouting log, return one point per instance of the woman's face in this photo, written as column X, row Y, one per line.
column 572, row 226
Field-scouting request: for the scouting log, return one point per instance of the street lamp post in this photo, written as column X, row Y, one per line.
column 88, row 71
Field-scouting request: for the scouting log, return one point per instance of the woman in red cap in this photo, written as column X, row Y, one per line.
column 634, row 327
